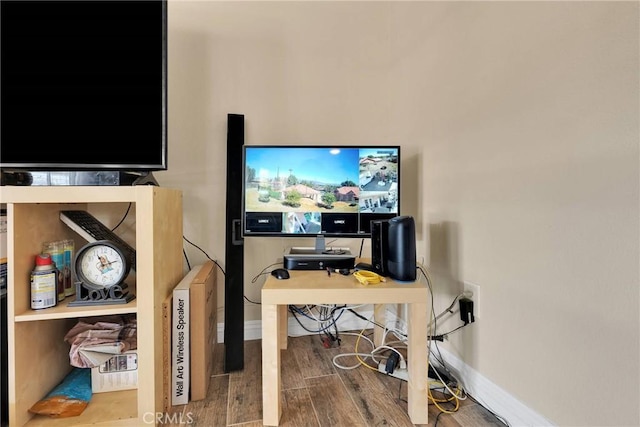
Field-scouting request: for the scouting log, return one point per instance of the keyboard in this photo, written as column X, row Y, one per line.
column 91, row 229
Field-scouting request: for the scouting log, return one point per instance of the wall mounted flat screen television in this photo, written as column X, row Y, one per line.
column 335, row 191
column 83, row 85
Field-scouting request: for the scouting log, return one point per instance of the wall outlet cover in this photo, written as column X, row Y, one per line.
column 474, row 289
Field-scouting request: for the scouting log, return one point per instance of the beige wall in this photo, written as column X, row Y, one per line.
column 518, row 123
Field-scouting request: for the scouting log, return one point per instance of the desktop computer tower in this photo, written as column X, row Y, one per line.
column 379, row 246
column 393, row 248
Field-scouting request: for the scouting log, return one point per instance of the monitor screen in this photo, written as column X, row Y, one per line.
column 319, row 190
column 83, row 85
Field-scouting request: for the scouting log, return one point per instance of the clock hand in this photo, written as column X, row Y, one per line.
column 106, row 262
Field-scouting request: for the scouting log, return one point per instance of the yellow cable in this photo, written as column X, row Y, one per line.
column 435, row 402
column 368, row 277
column 362, row 362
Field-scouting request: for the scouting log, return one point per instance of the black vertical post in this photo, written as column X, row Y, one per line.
column 234, row 254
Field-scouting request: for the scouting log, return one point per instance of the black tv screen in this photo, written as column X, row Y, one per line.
column 319, row 190
column 83, row 85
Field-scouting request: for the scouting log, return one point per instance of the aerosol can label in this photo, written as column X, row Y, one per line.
column 44, row 289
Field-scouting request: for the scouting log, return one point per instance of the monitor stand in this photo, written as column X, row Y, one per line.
column 138, row 178
column 321, row 248
column 320, row 244
column 318, row 257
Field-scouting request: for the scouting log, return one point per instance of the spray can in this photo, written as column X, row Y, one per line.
column 44, row 283
column 56, row 250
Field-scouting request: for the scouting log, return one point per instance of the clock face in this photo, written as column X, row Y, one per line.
column 101, row 265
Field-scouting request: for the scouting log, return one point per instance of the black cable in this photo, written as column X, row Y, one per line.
column 123, row 217
column 437, row 419
column 361, row 245
column 252, row 302
column 440, row 336
column 205, row 254
column 295, row 316
column 215, row 262
column 184, row 252
column 498, row 417
column 297, row 311
column 355, row 313
column 335, row 322
column 263, row 272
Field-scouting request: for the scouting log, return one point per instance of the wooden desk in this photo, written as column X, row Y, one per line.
column 316, row 287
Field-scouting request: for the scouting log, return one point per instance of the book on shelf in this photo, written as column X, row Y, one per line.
column 203, row 328
column 180, row 340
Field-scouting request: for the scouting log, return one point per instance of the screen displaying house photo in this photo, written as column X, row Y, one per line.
column 318, row 189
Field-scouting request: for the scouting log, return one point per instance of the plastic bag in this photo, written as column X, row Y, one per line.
column 67, row 399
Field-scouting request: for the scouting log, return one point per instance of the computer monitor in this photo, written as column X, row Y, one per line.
column 306, row 191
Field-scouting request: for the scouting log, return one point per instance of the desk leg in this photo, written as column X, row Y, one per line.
column 380, row 318
column 417, row 364
column 283, row 325
column 271, row 409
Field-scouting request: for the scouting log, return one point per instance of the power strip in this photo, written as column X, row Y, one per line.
column 398, row 373
column 403, row 374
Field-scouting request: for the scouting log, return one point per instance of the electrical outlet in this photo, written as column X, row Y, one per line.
column 474, row 290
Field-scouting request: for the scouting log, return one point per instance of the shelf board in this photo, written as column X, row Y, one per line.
column 72, row 194
column 116, row 408
column 63, row 311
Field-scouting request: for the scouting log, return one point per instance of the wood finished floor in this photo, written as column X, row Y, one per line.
column 314, row 393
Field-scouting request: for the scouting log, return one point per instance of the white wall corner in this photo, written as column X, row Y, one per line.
column 493, row 397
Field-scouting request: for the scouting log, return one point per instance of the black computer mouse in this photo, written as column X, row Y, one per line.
column 280, row 273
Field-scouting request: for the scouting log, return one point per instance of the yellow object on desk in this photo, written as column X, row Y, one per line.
column 368, row 277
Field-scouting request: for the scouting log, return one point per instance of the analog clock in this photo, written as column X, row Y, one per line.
column 101, row 265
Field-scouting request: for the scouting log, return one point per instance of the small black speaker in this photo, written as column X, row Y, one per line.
column 379, row 246
column 401, row 248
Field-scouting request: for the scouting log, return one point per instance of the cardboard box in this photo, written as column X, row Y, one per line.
column 200, row 283
column 203, row 328
column 118, row 373
column 180, row 340
column 167, row 306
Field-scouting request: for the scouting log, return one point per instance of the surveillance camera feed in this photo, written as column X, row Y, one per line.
column 335, row 191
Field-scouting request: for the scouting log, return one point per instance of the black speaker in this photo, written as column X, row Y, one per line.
column 4, row 364
column 234, row 253
column 401, row 249
column 379, row 246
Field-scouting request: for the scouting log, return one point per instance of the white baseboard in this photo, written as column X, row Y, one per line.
column 482, row 389
column 491, row 396
column 253, row 328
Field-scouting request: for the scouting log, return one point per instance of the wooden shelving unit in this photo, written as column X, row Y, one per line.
column 38, row 356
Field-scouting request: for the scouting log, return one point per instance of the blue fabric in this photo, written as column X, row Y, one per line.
column 76, row 385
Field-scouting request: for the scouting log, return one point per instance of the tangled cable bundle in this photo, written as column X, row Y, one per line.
column 368, row 277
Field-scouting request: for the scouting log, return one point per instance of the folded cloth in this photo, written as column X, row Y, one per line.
column 94, row 341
